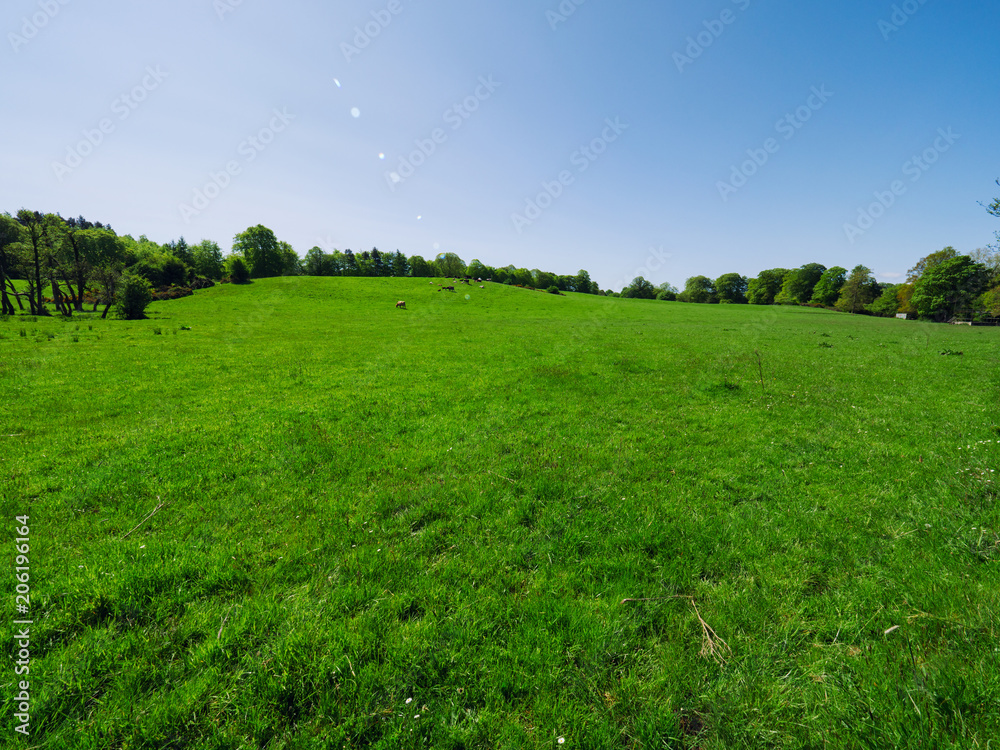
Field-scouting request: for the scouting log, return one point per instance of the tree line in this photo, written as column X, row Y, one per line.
column 66, row 263
column 940, row 286
column 69, row 262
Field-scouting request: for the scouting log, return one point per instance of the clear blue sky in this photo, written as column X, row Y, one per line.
column 181, row 87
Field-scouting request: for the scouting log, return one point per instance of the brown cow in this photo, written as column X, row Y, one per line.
column 402, row 304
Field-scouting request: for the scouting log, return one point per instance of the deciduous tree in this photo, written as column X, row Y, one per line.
column 639, row 289
column 763, row 289
column 858, row 291
column 207, row 260
column 731, row 288
column 11, row 235
column 699, row 289
column 449, row 264
column 949, row 287
column 797, row 287
column 261, row 251
column 827, row 289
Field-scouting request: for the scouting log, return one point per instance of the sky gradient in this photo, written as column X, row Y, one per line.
column 667, row 140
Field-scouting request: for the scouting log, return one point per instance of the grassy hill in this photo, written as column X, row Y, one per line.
column 401, row 529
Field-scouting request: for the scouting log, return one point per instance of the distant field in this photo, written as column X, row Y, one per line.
column 402, row 529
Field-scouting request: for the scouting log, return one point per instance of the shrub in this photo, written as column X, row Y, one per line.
column 133, row 296
column 238, row 271
column 553, row 290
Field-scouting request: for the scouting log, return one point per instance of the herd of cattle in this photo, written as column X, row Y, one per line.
column 402, row 304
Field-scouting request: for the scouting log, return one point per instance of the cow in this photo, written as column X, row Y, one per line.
column 401, row 304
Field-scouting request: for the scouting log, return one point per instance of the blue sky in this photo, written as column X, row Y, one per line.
column 667, row 139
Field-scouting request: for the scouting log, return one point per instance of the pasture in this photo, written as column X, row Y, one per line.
column 513, row 520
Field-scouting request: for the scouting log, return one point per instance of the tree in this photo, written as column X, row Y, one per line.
column 887, row 303
column 763, row 289
column 398, row 265
column 11, row 234
column 42, row 238
column 173, row 271
column 827, row 289
column 291, row 264
column 994, row 210
column 928, row 262
column 207, row 260
column 639, row 289
column 237, row 269
column 582, row 282
column 476, row 269
column 519, row 276
column 990, row 258
column 698, row 289
column 109, row 277
column 261, row 252
column 86, row 247
column 420, row 268
column 949, row 287
column 858, row 291
column 181, row 249
column 904, row 296
column 133, row 296
column 542, row 279
column 731, row 288
column 351, row 267
column 990, row 301
column 449, row 264
column 666, row 292
column 315, row 263
column 797, row 288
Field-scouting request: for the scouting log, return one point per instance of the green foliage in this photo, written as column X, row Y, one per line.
column 858, row 291
column 207, row 260
column 827, row 289
column 420, row 268
column 553, row 290
column 731, row 288
column 948, row 287
column 887, row 304
column 763, row 289
column 990, row 301
column 797, row 287
column 583, row 284
column 699, row 289
column 133, row 296
column 263, row 254
column 639, row 289
column 291, row 264
column 928, row 262
column 449, row 264
column 477, row 270
column 237, row 270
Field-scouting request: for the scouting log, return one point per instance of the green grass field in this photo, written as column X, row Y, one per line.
column 501, row 519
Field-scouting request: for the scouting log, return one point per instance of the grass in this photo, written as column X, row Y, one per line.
column 401, row 529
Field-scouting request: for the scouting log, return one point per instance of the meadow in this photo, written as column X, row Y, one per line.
column 288, row 515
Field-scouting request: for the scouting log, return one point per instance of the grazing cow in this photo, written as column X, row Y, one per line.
column 482, row 286
column 402, row 304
